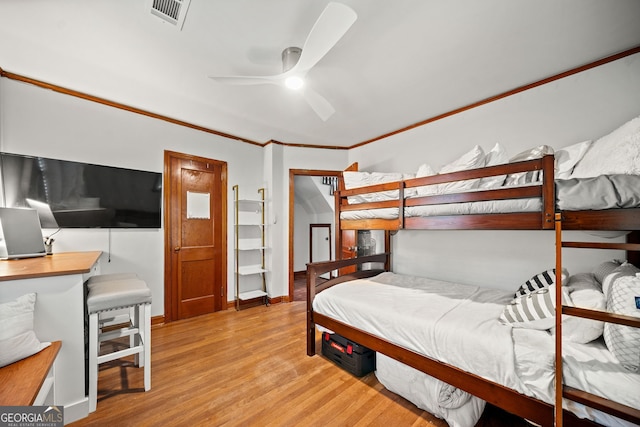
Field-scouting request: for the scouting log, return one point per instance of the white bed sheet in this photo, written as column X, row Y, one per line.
column 385, row 213
column 468, row 208
column 482, row 207
column 445, row 321
column 592, row 367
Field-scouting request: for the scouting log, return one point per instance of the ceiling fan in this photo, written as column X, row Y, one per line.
column 334, row 21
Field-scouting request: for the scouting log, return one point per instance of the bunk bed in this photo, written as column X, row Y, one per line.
column 536, row 201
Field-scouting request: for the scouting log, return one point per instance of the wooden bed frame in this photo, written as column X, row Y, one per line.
column 547, row 219
column 507, row 221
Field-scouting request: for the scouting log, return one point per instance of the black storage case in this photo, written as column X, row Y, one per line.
column 351, row 356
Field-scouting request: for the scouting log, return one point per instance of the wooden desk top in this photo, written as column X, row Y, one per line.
column 58, row 264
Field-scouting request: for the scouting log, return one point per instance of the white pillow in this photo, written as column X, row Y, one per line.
column 624, row 341
column 17, row 338
column 567, row 157
column 497, row 156
column 585, row 292
column 615, row 153
column 624, row 269
column 521, row 178
column 472, row 159
column 426, row 190
column 603, row 269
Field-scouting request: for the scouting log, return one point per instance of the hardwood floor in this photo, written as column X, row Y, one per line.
column 249, row 368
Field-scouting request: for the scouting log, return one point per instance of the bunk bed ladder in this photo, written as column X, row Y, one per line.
column 570, row 393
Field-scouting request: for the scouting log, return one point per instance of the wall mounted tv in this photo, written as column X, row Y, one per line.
column 80, row 195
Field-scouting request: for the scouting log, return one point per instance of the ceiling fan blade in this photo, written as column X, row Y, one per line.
column 248, row 80
column 333, row 23
column 319, row 104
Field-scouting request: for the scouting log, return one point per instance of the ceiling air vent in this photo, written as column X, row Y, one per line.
column 171, row 11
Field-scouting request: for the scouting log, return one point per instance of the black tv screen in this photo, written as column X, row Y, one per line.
column 70, row 194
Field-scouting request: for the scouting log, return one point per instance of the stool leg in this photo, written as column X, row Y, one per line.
column 146, row 328
column 132, row 342
column 135, row 339
column 94, row 347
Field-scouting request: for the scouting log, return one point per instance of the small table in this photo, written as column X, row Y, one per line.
column 58, row 281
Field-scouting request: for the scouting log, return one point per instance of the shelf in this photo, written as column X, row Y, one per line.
column 252, row 294
column 250, row 247
column 250, row 269
column 250, row 201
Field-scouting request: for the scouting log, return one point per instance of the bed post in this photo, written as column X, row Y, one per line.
column 311, row 326
column 558, row 323
column 387, row 249
column 548, row 192
column 633, row 256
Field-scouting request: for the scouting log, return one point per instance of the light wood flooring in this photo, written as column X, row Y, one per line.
column 249, row 368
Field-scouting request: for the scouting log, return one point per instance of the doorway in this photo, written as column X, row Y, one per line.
column 320, row 244
column 298, row 245
column 195, row 225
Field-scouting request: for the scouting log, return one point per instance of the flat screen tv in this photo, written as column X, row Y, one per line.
column 70, row 194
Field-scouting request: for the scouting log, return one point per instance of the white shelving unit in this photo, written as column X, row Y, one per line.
column 250, row 247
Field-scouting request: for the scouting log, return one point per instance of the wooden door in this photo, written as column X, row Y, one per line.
column 320, row 244
column 195, row 235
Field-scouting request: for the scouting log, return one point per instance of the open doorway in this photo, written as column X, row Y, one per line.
column 311, row 201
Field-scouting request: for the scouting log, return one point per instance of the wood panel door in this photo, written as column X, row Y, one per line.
column 195, row 235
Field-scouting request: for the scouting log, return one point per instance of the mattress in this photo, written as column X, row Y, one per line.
column 451, row 322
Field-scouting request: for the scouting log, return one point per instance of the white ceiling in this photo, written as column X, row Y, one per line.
column 402, row 61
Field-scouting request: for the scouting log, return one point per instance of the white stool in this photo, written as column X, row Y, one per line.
column 113, row 292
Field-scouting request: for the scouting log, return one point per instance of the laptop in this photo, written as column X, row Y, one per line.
column 20, row 234
column 47, row 220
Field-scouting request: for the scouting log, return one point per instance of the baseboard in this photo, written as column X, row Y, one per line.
column 254, row 302
column 76, row 411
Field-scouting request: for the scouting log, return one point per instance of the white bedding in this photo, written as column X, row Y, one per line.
column 592, row 367
column 598, row 193
column 439, row 319
column 483, row 207
column 457, row 408
column 451, row 322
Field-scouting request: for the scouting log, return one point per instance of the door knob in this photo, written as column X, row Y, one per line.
column 177, row 248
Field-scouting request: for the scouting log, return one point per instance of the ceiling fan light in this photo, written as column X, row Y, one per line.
column 294, row 82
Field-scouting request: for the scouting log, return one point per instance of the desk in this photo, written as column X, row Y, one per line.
column 58, row 281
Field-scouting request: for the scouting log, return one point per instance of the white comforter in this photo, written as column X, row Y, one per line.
column 453, row 323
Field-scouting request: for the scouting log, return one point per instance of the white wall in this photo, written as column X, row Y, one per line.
column 584, row 106
column 40, row 122
column 295, row 158
column 45, row 123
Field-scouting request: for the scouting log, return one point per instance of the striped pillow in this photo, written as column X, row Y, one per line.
column 540, row 281
column 536, row 310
